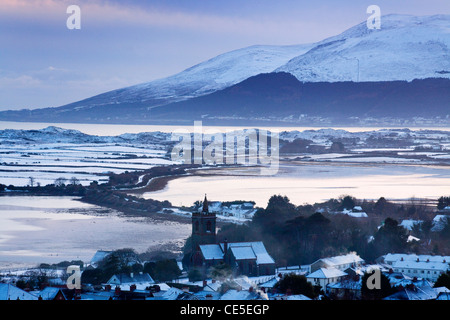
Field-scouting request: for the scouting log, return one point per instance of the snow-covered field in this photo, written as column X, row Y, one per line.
column 44, row 155
column 45, row 162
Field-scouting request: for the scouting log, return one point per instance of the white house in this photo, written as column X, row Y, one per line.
column 124, row 281
column 420, row 266
column 342, row 262
column 324, row 276
column 439, row 222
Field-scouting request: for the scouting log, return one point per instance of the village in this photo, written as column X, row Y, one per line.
column 222, row 270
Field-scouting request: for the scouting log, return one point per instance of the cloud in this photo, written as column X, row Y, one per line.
column 109, row 14
column 20, row 81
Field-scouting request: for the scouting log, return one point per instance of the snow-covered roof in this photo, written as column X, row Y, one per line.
column 262, row 256
column 431, row 265
column 356, row 212
column 296, row 297
column 10, row 292
column 343, row 259
column 421, row 290
column 243, row 253
column 408, row 224
column 326, row 273
column 128, row 279
column 49, row 293
column 240, row 295
column 392, row 257
column 346, row 284
column 172, row 294
column 211, row 251
column 412, row 238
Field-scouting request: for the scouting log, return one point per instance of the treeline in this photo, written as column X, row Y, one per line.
column 49, row 189
column 296, row 235
column 124, row 203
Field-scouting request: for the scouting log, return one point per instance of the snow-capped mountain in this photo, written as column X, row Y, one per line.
column 215, row 74
column 405, row 48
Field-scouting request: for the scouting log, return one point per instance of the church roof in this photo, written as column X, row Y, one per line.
column 211, row 251
column 241, row 251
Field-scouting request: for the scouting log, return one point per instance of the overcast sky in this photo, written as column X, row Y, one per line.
column 122, row 43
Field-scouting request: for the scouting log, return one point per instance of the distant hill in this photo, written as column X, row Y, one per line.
column 281, row 97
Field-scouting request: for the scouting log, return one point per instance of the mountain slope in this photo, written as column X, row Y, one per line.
column 405, row 48
column 280, row 97
column 206, row 77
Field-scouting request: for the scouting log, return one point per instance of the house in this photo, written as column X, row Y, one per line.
column 417, row 290
column 52, row 293
column 355, row 212
column 347, row 289
column 439, row 222
column 10, row 292
column 408, row 224
column 338, row 262
column 138, row 281
column 324, row 276
column 234, row 294
column 421, row 269
column 293, row 297
column 428, row 267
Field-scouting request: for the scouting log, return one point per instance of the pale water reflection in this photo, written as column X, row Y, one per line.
column 52, row 229
column 313, row 182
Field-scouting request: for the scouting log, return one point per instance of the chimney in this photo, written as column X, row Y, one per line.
column 108, row 287
column 132, row 287
column 205, row 283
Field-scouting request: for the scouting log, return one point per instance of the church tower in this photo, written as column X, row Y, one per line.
column 203, row 227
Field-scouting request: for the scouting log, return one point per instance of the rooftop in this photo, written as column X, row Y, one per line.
column 326, row 273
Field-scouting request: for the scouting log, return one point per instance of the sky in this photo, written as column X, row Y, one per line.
column 43, row 63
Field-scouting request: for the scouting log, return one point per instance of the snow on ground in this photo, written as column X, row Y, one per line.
column 47, row 161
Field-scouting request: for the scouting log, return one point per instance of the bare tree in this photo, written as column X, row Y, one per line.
column 74, row 181
column 60, row 181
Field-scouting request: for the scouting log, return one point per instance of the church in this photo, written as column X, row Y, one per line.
column 244, row 258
